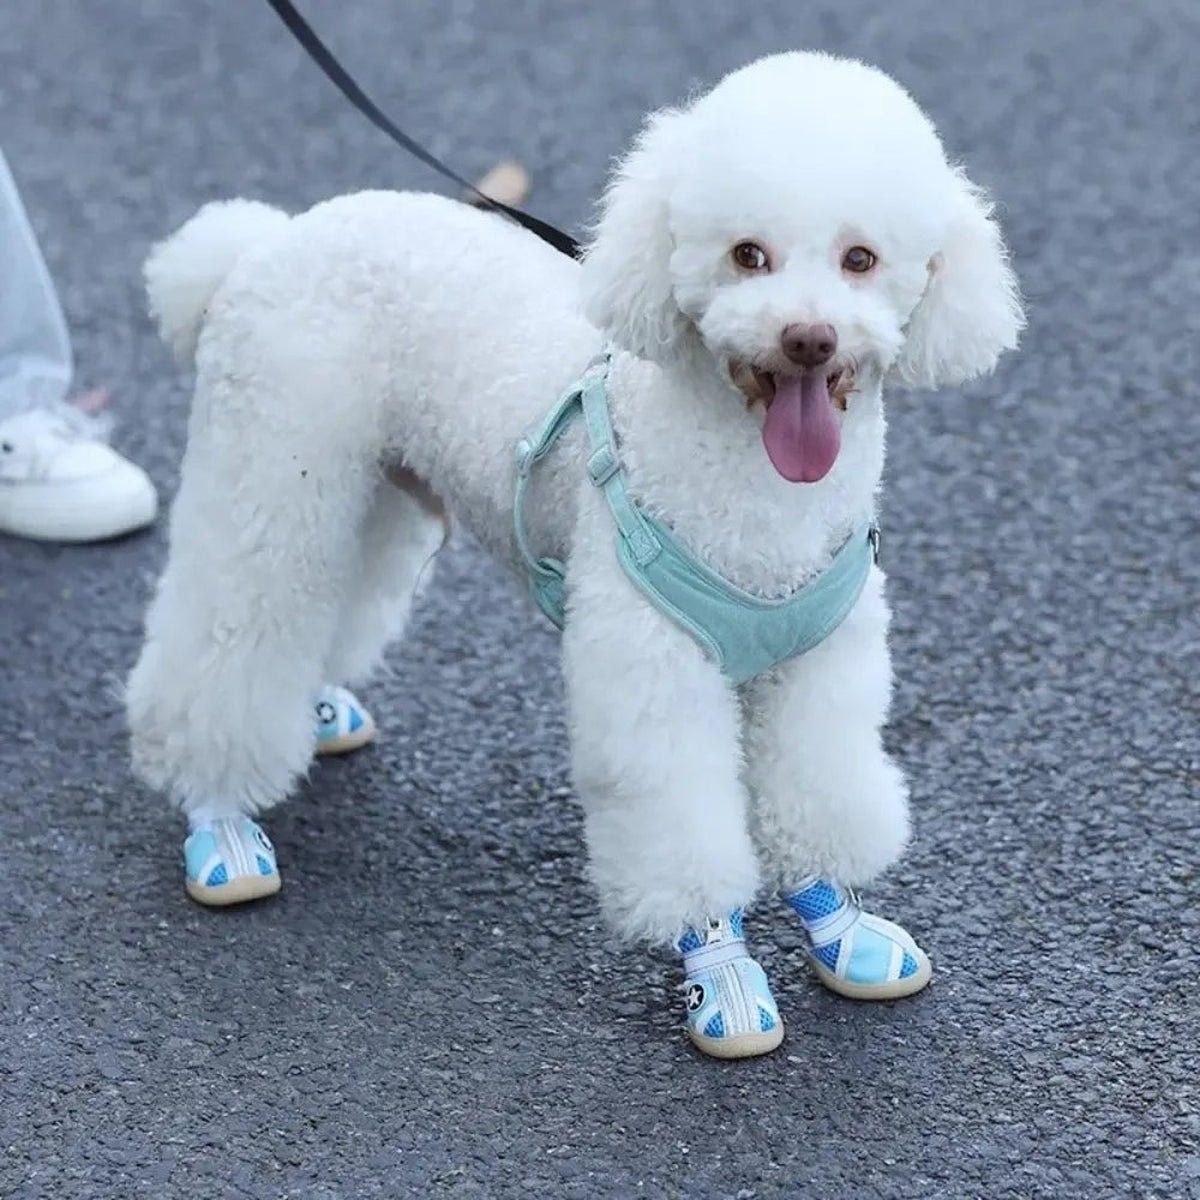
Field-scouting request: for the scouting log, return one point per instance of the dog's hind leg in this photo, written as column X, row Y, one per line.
column 403, row 531
column 405, row 528
column 265, row 533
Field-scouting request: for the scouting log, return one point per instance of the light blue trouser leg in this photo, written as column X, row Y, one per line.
column 35, row 348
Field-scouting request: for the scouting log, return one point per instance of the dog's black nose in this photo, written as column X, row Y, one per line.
column 809, row 345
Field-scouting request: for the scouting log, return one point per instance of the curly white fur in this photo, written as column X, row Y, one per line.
column 399, row 329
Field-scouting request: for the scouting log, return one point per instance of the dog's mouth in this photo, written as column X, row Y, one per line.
column 801, row 431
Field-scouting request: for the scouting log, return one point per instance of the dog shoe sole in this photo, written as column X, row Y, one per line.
column 742, row 1045
column 239, row 890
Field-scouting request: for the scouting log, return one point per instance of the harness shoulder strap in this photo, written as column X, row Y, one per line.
column 605, row 471
column 546, row 575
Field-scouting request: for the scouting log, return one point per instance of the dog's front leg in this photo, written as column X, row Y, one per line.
column 655, row 744
column 830, row 807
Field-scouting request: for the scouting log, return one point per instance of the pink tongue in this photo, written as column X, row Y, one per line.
column 801, row 432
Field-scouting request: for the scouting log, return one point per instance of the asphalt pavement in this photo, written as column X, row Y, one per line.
column 431, row 1007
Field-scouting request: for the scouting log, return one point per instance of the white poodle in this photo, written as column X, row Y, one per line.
column 767, row 257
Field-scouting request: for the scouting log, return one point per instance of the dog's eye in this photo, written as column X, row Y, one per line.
column 859, row 260
column 750, row 256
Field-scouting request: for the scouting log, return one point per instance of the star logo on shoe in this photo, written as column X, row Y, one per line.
column 695, row 998
column 326, row 713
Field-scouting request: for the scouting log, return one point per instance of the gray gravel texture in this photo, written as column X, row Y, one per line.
column 431, row 1007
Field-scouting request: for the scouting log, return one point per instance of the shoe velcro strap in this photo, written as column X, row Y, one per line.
column 829, row 929
column 707, row 957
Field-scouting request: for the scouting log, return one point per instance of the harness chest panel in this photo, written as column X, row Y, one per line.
column 743, row 634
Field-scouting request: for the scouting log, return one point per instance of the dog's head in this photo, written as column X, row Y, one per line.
column 801, row 226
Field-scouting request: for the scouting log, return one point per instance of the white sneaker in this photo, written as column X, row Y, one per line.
column 60, row 483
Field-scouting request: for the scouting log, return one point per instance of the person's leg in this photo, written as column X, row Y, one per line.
column 58, row 480
column 35, row 349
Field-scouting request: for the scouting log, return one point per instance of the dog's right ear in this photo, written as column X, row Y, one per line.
column 626, row 279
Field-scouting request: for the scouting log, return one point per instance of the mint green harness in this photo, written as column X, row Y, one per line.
column 743, row 634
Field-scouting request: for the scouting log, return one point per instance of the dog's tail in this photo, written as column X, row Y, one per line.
column 183, row 273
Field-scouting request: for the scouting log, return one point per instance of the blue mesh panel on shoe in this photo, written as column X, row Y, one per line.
column 828, row 954
column 766, row 1022
column 217, row 876
column 715, row 1027
column 908, row 966
column 735, row 922
column 820, row 899
column 689, row 941
column 264, row 867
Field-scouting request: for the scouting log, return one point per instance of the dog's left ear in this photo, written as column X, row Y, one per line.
column 626, row 279
column 971, row 310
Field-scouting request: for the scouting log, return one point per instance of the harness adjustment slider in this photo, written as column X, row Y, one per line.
column 602, row 465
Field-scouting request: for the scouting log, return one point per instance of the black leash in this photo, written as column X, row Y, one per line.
column 340, row 77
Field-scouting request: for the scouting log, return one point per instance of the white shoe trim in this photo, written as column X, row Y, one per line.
column 829, row 929
column 709, row 957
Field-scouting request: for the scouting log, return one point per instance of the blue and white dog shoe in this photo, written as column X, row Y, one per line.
column 228, row 861
column 730, row 1010
column 854, row 953
column 343, row 724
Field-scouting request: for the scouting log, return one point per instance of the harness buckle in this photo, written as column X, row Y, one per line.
column 602, row 465
column 874, row 538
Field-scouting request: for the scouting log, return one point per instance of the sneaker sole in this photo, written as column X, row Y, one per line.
column 895, row 989
column 743, row 1045
column 237, row 891
column 347, row 743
